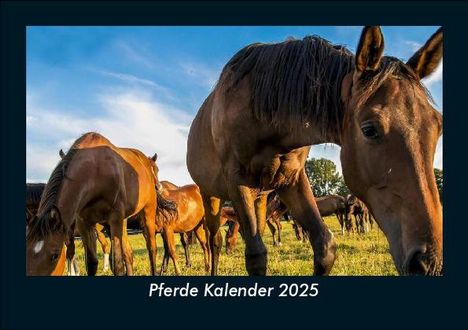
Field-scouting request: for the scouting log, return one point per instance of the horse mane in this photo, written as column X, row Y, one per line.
column 300, row 80
column 44, row 225
column 166, row 210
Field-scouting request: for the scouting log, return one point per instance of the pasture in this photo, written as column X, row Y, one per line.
column 358, row 255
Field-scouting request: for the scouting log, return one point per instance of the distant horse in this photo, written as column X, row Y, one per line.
column 362, row 216
column 186, row 215
column 228, row 216
column 33, row 197
column 94, row 182
column 272, row 102
column 186, row 239
column 275, row 210
column 333, row 204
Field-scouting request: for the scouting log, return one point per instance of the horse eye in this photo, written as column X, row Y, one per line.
column 369, row 131
column 54, row 257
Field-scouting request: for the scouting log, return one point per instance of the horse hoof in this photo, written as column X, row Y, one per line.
column 256, row 263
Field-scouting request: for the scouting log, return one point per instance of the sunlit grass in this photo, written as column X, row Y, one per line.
column 358, row 254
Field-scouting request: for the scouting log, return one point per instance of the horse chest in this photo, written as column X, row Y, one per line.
column 280, row 171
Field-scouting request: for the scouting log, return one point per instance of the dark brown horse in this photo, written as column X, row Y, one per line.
column 362, row 217
column 333, row 204
column 187, row 215
column 272, row 102
column 94, row 182
column 275, row 210
column 33, row 197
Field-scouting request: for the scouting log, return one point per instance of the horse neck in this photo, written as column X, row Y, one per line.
column 73, row 195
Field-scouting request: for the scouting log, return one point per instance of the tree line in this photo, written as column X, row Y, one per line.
column 326, row 180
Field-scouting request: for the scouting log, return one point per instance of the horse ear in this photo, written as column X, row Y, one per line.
column 427, row 58
column 370, row 49
column 61, row 153
column 155, row 156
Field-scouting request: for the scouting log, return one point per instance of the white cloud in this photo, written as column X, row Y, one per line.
column 413, row 45
column 435, row 77
column 128, row 120
column 204, row 75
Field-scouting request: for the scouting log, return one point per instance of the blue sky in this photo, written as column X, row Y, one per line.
column 142, row 86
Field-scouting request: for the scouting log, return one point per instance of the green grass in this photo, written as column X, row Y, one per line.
column 358, row 254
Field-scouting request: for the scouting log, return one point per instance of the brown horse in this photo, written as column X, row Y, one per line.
column 186, row 239
column 187, row 215
column 228, row 216
column 272, row 102
column 95, row 182
column 73, row 268
column 362, row 216
column 275, row 210
column 333, row 204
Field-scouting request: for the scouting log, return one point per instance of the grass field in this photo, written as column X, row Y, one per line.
column 358, row 254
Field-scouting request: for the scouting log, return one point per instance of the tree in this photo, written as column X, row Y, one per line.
column 342, row 188
column 323, row 176
column 439, row 177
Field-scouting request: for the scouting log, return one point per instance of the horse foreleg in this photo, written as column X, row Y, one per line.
column 201, row 236
column 246, row 205
column 105, row 246
column 301, row 202
column 168, row 235
column 88, row 238
column 212, row 207
column 73, row 269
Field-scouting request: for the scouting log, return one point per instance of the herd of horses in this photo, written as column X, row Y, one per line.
column 248, row 144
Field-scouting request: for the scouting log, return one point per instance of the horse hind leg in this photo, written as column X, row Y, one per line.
column 273, row 232
column 212, row 206
column 105, row 246
column 184, row 240
column 149, row 227
column 165, row 261
column 168, row 235
column 127, row 250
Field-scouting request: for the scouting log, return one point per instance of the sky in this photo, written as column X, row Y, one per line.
column 142, row 86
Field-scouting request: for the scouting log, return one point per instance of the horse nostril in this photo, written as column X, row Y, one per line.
column 416, row 264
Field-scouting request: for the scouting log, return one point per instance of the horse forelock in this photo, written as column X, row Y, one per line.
column 390, row 67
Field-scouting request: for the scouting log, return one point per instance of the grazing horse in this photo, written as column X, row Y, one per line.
column 275, row 210
column 73, row 268
column 228, row 216
column 186, row 239
column 185, row 214
column 272, row 102
column 362, row 216
column 94, row 182
column 333, row 204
